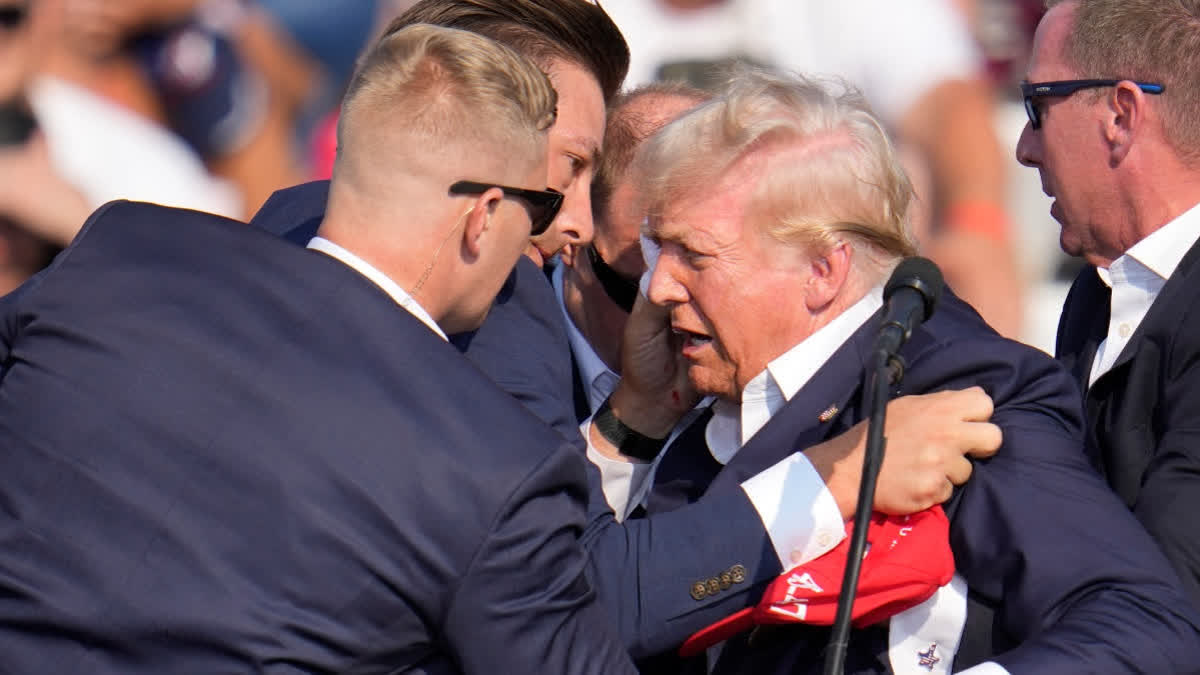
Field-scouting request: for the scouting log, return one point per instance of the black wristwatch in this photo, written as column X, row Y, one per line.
column 629, row 442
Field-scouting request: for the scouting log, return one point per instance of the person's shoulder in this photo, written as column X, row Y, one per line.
column 292, row 209
column 956, row 348
column 148, row 223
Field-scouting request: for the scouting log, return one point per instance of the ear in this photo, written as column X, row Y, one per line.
column 828, row 273
column 479, row 220
column 1128, row 108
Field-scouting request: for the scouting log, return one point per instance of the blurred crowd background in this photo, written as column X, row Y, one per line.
column 213, row 104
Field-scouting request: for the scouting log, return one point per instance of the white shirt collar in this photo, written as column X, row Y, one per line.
column 598, row 378
column 1136, row 278
column 1162, row 250
column 733, row 425
column 380, row 279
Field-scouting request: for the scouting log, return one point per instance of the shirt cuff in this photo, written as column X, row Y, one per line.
column 989, row 668
column 618, row 479
column 798, row 511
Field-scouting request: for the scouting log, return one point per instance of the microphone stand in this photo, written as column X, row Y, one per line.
column 887, row 371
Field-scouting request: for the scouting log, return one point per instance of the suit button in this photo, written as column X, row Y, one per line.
column 699, row 590
column 714, row 586
column 737, row 574
column 726, row 580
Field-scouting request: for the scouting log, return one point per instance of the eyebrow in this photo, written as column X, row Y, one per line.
column 589, row 146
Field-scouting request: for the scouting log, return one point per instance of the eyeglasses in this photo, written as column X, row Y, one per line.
column 1035, row 90
column 12, row 16
column 542, row 205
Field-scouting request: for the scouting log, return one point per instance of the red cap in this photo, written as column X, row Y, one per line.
column 908, row 558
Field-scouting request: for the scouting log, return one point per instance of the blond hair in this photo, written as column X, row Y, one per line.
column 1154, row 41
column 836, row 175
column 445, row 87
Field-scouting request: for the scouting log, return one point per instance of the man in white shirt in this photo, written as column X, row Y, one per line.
column 1119, row 156
column 779, row 209
column 597, row 286
column 917, row 64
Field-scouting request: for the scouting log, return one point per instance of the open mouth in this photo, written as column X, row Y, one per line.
column 689, row 341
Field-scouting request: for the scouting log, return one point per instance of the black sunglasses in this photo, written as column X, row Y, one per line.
column 12, row 16
column 542, row 205
column 1031, row 91
column 621, row 290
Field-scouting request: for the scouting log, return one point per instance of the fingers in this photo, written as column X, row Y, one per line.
column 982, row 439
column 971, row 404
column 957, row 470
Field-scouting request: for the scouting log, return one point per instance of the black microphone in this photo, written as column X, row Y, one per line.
column 909, row 298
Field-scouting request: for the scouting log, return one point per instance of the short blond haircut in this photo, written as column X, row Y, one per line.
column 1150, row 41
column 840, row 177
column 446, row 87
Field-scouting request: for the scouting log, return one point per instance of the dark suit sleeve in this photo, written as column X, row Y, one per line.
column 527, row 603
column 10, row 304
column 10, row 316
column 522, row 346
column 1078, row 583
column 646, row 569
column 1169, row 498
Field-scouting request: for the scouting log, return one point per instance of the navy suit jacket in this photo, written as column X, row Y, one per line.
column 645, row 571
column 1062, row 578
column 522, row 345
column 1143, row 415
column 224, row 453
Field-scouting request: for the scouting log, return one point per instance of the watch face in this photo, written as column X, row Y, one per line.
column 16, row 123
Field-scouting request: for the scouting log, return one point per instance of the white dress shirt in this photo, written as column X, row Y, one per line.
column 799, row 513
column 1136, row 278
column 790, row 494
column 380, row 279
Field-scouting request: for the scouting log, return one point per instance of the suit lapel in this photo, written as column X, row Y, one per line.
column 822, row 408
column 583, row 407
column 686, row 469
column 1084, row 324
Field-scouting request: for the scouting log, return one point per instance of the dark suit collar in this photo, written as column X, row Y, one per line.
column 1083, row 324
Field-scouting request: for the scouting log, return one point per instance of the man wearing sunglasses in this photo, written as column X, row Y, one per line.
column 1113, row 98
column 523, row 347
column 265, row 465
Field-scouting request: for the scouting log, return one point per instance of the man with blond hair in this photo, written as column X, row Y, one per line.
column 523, row 347
column 1113, row 92
column 779, row 210
column 266, row 467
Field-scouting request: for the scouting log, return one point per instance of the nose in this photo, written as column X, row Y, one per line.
column 665, row 288
column 1029, row 146
column 574, row 221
